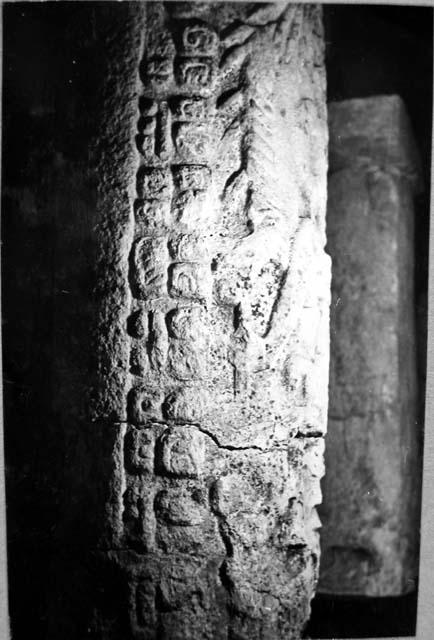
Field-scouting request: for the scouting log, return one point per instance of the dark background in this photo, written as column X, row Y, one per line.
column 375, row 50
column 52, row 67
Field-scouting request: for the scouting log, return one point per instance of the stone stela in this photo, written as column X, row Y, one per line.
column 219, row 447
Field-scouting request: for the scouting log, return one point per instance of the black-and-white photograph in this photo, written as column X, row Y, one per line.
column 214, row 297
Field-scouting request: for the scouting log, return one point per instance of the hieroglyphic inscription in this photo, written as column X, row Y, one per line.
column 169, row 267
column 153, row 128
column 139, row 450
column 148, row 266
column 211, row 276
column 182, row 452
column 195, row 62
column 185, row 405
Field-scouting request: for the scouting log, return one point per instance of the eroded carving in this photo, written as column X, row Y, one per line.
column 189, row 108
column 188, row 323
column 195, row 73
column 157, row 71
column 181, row 506
column 182, row 452
column 154, row 183
column 139, row 450
column 191, row 208
column 160, row 43
column 187, row 405
column 187, row 360
column 192, row 142
column 158, row 340
column 187, row 280
column 199, row 40
column 152, row 216
column 138, row 514
column 190, row 247
column 137, row 324
column 179, row 583
column 146, row 614
column 139, row 359
column 191, row 177
column 207, row 404
column 149, row 258
column 144, row 405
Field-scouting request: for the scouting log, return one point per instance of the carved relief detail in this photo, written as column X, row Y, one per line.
column 195, row 73
column 194, row 177
column 189, row 108
column 152, row 216
column 157, row 71
column 188, row 248
column 187, row 280
column 198, row 197
column 199, row 40
column 144, row 405
column 169, row 277
column 181, row 452
column 186, row 405
column 154, row 183
column 139, row 450
column 148, row 268
column 192, row 141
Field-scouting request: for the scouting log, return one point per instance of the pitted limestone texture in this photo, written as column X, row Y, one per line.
column 225, row 388
column 182, row 452
column 371, row 489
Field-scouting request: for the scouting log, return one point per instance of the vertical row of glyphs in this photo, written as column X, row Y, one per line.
column 166, row 506
column 227, row 400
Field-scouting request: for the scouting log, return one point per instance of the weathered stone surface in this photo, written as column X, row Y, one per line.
column 369, row 515
column 182, row 452
column 222, row 325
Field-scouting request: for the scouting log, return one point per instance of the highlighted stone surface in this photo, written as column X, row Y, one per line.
column 221, row 336
column 370, row 510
